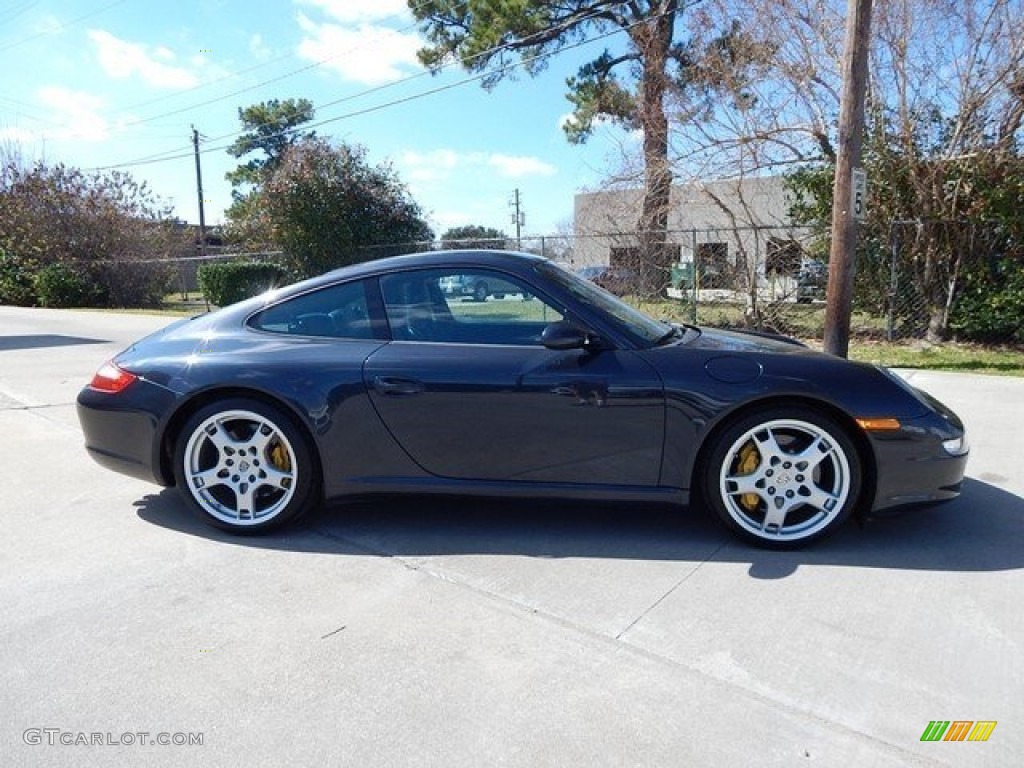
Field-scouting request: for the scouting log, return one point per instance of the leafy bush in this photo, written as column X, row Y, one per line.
column 224, row 284
column 109, row 231
column 133, row 283
column 17, row 286
column 991, row 307
column 61, row 285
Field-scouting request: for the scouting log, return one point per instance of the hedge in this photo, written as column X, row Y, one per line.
column 61, row 285
column 224, row 284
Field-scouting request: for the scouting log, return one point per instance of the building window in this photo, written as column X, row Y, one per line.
column 713, row 263
column 783, row 257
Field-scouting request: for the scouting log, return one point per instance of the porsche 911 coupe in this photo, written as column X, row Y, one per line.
column 370, row 379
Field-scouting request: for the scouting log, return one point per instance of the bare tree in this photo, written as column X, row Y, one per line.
column 946, row 105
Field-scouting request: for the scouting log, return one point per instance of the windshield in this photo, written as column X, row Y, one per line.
column 645, row 329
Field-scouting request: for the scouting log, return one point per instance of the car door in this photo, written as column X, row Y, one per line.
column 469, row 392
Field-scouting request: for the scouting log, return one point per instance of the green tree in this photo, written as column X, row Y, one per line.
column 474, row 236
column 327, row 206
column 269, row 127
column 629, row 87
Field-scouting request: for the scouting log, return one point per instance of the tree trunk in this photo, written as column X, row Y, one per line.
column 653, row 39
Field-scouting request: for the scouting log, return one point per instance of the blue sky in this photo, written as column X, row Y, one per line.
column 96, row 83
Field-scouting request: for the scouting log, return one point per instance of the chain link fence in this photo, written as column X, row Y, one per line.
column 927, row 275
column 926, row 280
column 908, row 285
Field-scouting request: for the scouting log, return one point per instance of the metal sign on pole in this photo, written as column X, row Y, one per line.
column 859, row 206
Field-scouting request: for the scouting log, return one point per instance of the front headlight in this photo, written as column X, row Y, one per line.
column 957, row 446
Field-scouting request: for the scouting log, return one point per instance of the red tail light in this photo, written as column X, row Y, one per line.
column 111, row 379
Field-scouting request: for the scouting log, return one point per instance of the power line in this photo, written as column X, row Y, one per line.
column 15, row 12
column 178, row 153
column 229, row 76
column 61, row 27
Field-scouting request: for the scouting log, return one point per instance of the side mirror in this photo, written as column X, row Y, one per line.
column 564, row 335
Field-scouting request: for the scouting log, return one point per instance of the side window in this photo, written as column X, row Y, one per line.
column 470, row 306
column 338, row 311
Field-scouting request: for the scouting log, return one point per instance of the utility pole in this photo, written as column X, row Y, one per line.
column 518, row 218
column 842, row 259
column 199, row 189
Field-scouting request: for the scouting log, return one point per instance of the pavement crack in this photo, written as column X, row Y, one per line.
column 43, row 412
column 331, row 634
column 616, row 641
column 40, row 407
column 671, row 589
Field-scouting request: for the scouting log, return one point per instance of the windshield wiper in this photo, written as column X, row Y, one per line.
column 678, row 331
column 671, row 333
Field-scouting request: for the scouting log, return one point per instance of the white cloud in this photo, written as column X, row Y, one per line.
column 259, row 48
column 364, row 54
column 16, row 135
column 122, row 59
column 429, row 166
column 441, row 164
column 360, row 10
column 519, row 166
column 76, row 113
column 48, row 25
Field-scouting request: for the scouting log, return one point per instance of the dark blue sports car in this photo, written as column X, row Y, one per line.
column 372, row 379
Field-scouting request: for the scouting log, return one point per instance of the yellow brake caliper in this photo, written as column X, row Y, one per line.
column 749, row 459
column 279, row 457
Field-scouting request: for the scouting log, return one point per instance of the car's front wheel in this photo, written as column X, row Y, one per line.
column 244, row 466
column 783, row 477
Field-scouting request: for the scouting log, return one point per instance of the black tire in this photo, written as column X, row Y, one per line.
column 782, row 477
column 244, row 466
column 480, row 292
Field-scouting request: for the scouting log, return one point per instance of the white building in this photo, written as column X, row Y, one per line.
column 735, row 228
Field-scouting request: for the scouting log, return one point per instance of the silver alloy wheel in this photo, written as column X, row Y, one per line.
column 785, row 480
column 240, row 468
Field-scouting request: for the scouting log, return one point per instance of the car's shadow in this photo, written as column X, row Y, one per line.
column 983, row 530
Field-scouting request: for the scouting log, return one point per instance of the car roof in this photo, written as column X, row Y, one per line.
column 512, row 261
column 443, row 258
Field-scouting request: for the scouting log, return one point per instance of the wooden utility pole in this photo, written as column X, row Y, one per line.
column 199, row 188
column 518, row 218
column 842, row 258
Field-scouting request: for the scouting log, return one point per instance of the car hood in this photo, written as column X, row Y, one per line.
column 736, row 366
column 748, row 341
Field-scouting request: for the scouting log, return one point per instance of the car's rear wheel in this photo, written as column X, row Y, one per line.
column 244, row 466
column 783, row 477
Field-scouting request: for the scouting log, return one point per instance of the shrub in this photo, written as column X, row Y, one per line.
column 17, row 286
column 991, row 307
column 133, row 283
column 61, row 285
column 224, row 284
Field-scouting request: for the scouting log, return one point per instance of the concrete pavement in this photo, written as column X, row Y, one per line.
column 478, row 633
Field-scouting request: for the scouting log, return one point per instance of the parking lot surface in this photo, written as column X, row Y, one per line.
column 477, row 633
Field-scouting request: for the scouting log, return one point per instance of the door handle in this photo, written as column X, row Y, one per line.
column 387, row 385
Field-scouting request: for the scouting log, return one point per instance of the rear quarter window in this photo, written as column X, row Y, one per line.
column 338, row 311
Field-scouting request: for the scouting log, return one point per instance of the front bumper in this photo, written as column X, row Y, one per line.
column 912, row 465
column 123, row 431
